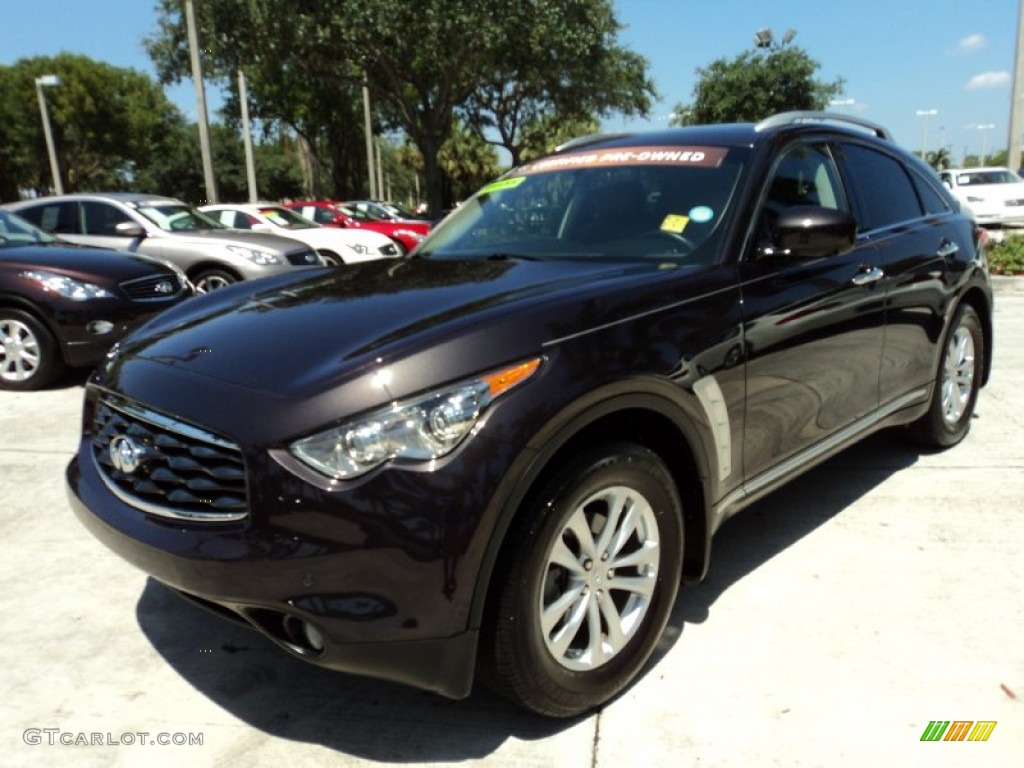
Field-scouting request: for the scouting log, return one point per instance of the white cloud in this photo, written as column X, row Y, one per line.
column 988, row 80
column 971, row 44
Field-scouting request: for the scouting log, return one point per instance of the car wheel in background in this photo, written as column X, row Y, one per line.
column 956, row 386
column 29, row 356
column 586, row 583
column 330, row 258
column 212, row 279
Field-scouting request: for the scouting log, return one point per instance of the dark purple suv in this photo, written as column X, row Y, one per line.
column 506, row 452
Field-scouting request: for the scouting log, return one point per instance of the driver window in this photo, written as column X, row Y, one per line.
column 101, row 219
column 804, row 175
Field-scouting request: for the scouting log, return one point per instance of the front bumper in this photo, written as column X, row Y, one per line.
column 278, row 585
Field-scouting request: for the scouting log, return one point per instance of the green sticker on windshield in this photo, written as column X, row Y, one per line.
column 515, row 181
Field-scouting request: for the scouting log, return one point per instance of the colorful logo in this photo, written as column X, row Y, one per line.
column 958, row 730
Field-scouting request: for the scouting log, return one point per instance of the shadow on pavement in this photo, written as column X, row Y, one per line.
column 771, row 525
column 263, row 686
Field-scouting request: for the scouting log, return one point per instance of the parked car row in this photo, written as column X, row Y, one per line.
column 78, row 272
column 66, row 305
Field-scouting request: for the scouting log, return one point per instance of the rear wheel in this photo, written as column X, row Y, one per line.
column 29, row 354
column 586, row 584
column 956, row 385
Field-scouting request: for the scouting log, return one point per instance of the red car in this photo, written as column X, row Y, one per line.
column 407, row 234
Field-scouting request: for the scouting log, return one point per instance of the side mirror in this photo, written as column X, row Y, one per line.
column 129, row 229
column 262, row 228
column 811, row 232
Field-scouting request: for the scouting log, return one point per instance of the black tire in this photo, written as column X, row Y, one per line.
column 957, row 381
column 553, row 670
column 212, row 279
column 29, row 354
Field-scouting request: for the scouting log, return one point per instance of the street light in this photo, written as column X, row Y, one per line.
column 984, row 128
column 49, row 80
column 924, row 114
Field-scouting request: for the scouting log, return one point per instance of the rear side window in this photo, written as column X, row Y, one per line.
column 882, row 187
column 57, row 218
column 933, row 202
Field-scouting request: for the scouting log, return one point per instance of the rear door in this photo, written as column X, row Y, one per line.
column 912, row 224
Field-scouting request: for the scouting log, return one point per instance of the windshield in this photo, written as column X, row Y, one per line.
column 177, row 217
column 988, row 177
column 14, row 230
column 283, row 217
column 629, row 203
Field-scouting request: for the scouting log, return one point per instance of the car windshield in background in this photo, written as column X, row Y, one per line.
column 988, row 177
column 14, row 230
column 638, row 202
column 174, row 217
column 283, row 217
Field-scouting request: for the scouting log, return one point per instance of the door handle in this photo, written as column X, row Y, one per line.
column 947, row 249
column 867, row 276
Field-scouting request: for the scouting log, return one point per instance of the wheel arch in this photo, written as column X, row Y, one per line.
column 194, row 270
column 653, row 420
column 982, row 305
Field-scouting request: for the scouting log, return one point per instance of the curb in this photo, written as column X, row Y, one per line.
column 1007, row 285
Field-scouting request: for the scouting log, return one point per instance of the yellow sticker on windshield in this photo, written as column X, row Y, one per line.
column 675, row 223
column 515, row 181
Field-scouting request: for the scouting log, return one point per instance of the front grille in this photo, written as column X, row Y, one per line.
column 167, row 467
column 153, row 287
column 304, row 258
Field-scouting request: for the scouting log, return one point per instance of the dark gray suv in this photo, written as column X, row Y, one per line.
column 211, row 254
column 506, row 452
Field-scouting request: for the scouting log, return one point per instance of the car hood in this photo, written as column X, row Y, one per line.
column 79, row 261
column 294, row 335
column 994, row 192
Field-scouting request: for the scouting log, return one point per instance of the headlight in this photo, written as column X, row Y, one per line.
column 418, row 430
column 360, row 249
column 255, row 255
column 68, row 287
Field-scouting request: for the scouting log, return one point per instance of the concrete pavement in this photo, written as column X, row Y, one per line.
column 843, row 613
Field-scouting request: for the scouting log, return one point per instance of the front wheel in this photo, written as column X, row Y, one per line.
column 956, row 386
column 212, row 279
column 588, row 580
column 29, row 355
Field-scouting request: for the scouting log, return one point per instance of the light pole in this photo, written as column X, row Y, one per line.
column 49, row 80
column 984, row 128
column 924, row 114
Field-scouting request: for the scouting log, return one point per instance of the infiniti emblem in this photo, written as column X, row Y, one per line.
column 125, row 454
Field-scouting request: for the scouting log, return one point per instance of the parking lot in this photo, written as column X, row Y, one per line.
column 842, row 614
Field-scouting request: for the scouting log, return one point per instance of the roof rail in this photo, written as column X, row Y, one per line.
column 808, row 116
column 582, row 141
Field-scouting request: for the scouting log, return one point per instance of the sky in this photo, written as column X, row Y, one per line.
column 897, row 57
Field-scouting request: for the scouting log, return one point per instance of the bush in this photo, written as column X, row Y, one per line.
column 1007, row 257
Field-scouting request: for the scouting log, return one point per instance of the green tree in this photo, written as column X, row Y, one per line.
column 774, row 77
column 426, row 64
column 109, row 125
column 564, row 66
